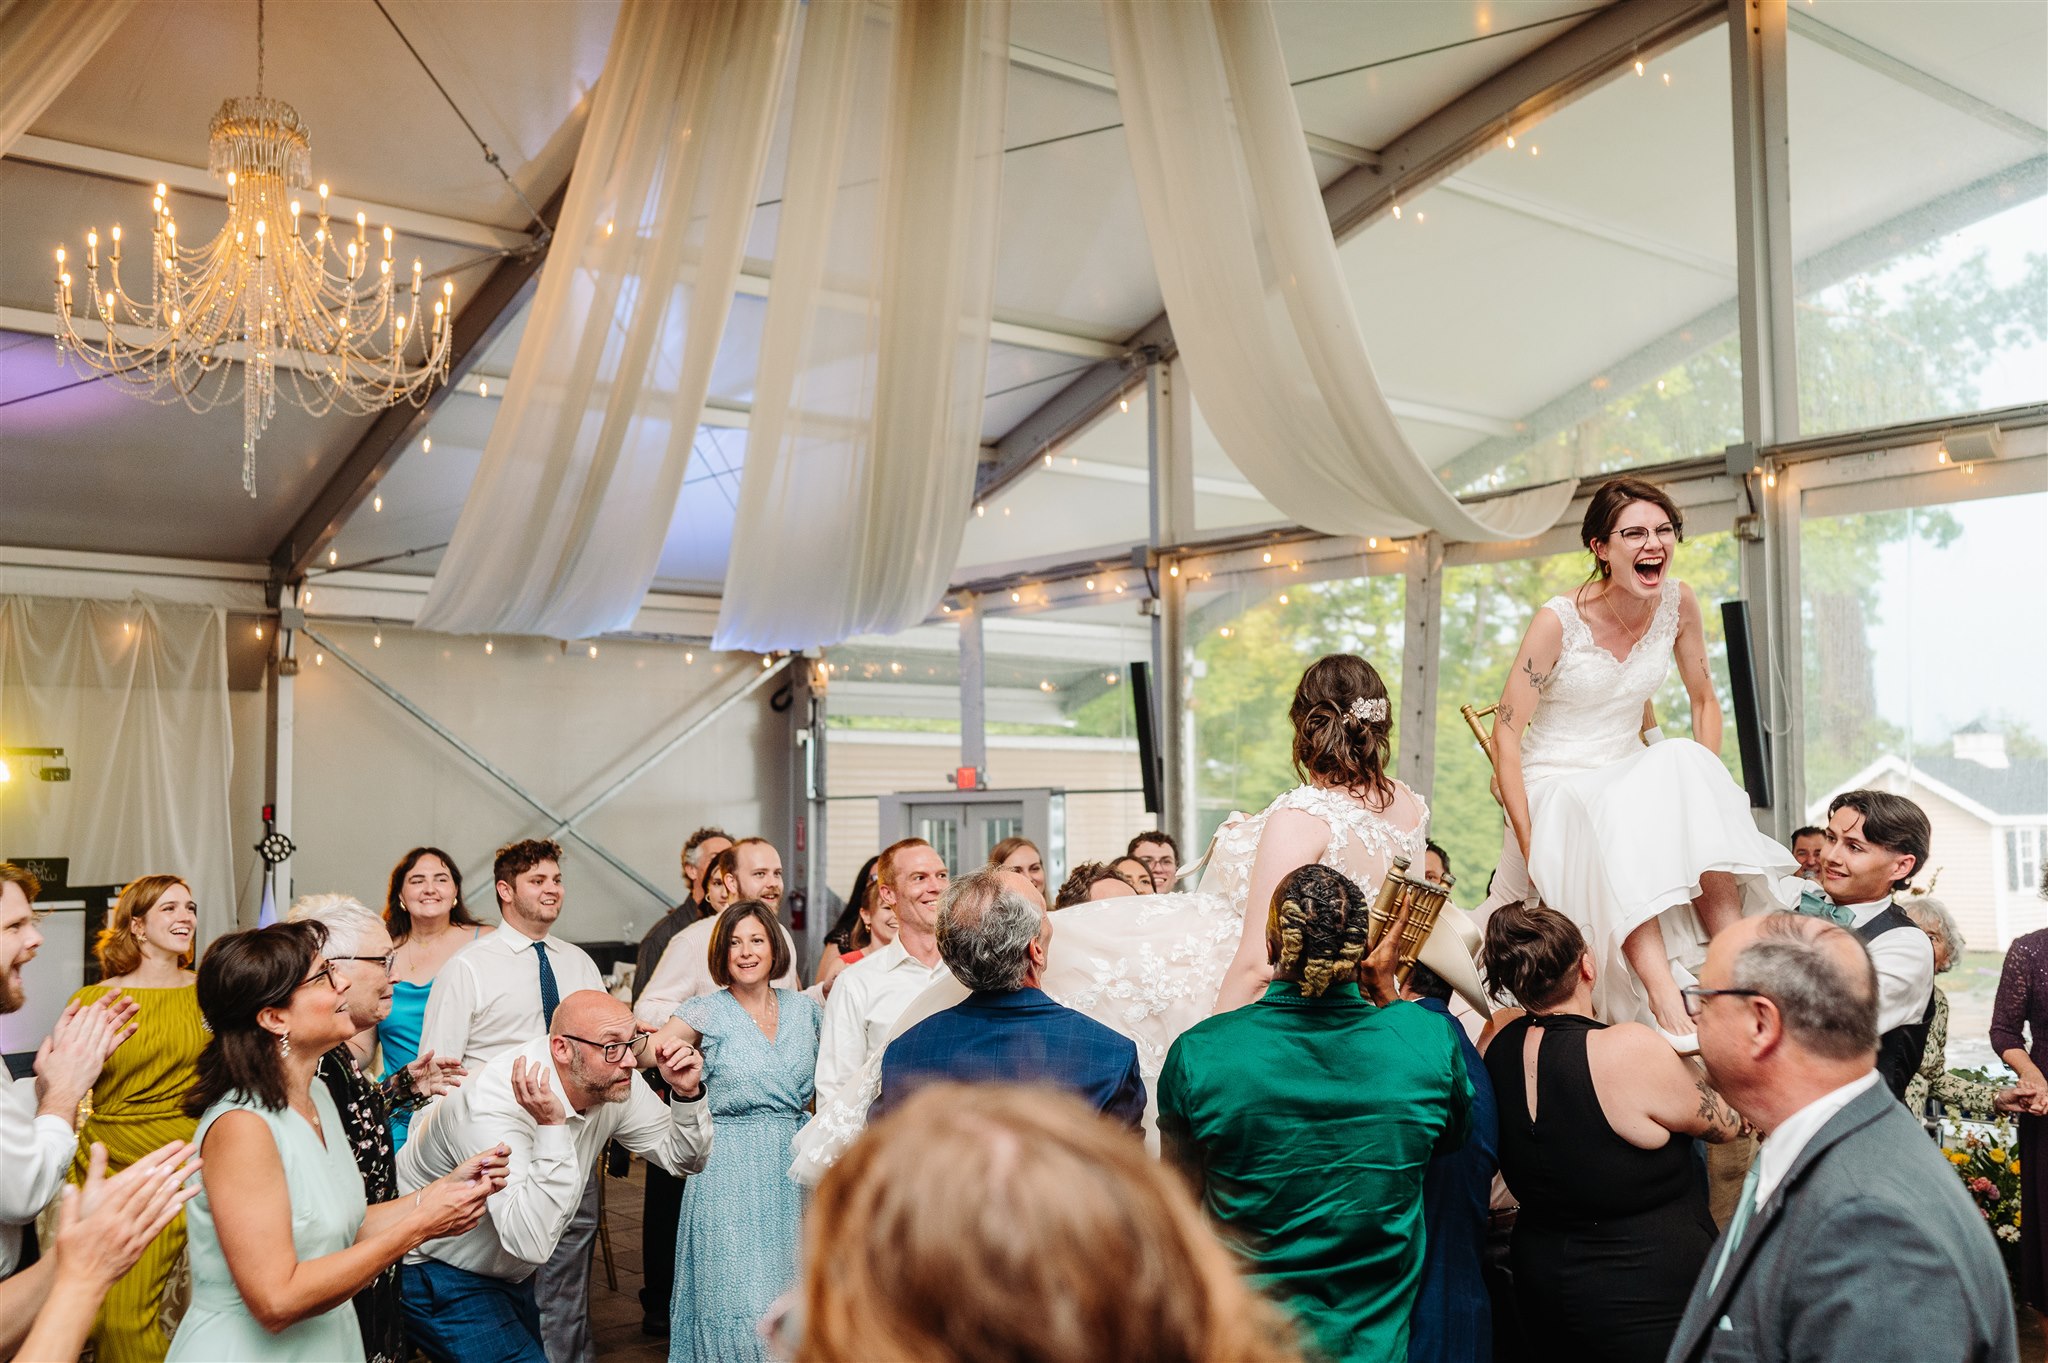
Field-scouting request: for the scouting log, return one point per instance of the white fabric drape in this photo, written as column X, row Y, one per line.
column 1260, row 307
column 43, row 44
column 562, row 530
column 866, row 423
column 136, row 693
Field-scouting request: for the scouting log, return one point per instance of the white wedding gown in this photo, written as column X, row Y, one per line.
column 1149, row 966
column 1620, row 833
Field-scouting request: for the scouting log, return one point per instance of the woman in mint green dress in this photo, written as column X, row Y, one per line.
column 280, row 1235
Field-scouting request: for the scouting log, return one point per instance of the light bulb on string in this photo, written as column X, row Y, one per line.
column 593, row 650
column 377, row 503
column 489, row 647
column 377, row 639
column 1123, row 404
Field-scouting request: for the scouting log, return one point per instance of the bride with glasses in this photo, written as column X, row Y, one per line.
column 1647, row 846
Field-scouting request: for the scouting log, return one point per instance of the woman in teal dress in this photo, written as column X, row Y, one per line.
column 281, row 1235
column 736, row 1249
column 428, row 922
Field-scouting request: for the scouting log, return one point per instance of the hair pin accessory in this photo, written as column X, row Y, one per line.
column 1373, row 711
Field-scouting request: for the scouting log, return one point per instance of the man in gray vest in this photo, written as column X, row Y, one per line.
column 1852, row 1237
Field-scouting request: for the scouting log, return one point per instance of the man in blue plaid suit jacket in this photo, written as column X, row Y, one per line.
column 993, row 935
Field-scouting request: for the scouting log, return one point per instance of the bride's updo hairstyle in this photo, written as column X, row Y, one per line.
column 1316, row 930
column 1335, row 744
column 1532, row 953
column 1612, row 498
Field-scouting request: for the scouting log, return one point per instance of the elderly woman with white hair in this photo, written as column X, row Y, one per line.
column 359, row 947
column 1934, row 1092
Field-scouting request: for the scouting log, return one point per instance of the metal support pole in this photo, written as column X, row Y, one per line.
column 973, row 692
column 1170, row 451
column 804, row 896
column 1770, row 380
column 279, row 719
column 1420, row 655
column 490, row 769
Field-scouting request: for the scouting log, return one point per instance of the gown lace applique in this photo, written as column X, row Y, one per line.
column 1149, row 966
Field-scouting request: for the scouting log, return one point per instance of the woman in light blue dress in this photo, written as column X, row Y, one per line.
column 736, row 1248
column 281, row 1236
column 428, row 921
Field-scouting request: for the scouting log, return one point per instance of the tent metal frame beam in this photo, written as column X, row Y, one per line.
column 497, row 299
column 183, row 179
column 1569, row 65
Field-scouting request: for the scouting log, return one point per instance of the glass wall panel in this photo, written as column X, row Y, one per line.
column 1487, row 608
column 1251, row 646
column 1919, row 209
column 1058, row 715
column 1926, row 666
column 1565, row 306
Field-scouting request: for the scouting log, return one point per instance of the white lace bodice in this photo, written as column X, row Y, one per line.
column 1591, row 707
column 1363, row 844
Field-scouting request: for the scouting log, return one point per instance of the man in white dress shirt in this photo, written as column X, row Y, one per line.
column 1852, row 1238
column 39, row 1115
column 869, row 995
column 1876, row 842
column 684, row 971
column 553, row 1102
column 500, row 993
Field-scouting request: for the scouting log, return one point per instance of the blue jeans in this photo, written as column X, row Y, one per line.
column 455, row 1316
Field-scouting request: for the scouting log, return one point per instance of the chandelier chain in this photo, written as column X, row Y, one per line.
column 542, row 232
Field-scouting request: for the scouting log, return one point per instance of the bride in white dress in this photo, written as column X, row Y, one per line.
column 1153, row 966
column 1650, row 850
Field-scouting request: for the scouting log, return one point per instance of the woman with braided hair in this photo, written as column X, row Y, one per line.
column 1153, row 965
column 1307, row 1121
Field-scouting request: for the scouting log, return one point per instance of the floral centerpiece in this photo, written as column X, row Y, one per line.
column 1988, row 1162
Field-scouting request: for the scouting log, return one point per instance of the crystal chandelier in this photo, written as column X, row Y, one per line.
column 263, row 292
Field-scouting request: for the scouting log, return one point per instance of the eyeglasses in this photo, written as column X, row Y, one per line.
column 1696, row 997
column 613, row 1051
column 387, row 960
column 1637, row 535
column 325, row 972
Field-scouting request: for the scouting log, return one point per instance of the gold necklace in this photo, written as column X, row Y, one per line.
column 1634, row 636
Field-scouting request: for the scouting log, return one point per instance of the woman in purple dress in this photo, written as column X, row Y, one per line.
column 2023, row 1003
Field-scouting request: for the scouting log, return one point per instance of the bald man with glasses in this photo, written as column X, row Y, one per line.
column 554, row 1102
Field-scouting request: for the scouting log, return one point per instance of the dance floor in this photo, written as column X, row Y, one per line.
column 615, row 1315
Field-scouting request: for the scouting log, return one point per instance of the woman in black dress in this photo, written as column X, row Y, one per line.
column 1596, row 1128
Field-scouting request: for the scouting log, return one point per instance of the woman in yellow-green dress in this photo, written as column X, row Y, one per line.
column 135, row 1107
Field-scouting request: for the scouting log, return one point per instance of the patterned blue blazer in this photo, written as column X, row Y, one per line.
column 1018, row 1038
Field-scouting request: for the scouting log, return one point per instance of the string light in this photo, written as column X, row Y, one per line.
column 1667, row 78
column 259, row 631
column 1045, row 684
column 1283, row 598
column 1397, row 211
column 1373, row 542
column 593, row 650
column 1225, row 631
column 333, row 557
column 377, row 639
column 689, row 657
column 1511, row 141
column 1941, row 455
column 483, row 390
column 427, row 445
column 1016, row 597
column 1639, row 68
column 319, row 660
column 1048, row 458
column 1123, row 404
column 768, row 661
column 1771, row 478
column 1119, row 589
column 980, row 510
column 1091, row 584
column 1006, row 511
column 377, row 503
column 489, row 647
column 1173, row 570
column 1266, row 558
column 306, row 597
column 1535, row 150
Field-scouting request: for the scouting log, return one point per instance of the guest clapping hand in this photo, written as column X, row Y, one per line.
column 103, row 1227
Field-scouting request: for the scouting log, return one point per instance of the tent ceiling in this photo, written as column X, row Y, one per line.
column 1528, row 281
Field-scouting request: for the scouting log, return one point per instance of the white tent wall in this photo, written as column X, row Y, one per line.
column 371, row 781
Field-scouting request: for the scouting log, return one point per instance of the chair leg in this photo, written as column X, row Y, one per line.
column 604, row 1234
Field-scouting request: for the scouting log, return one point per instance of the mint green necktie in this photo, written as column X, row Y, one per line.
column 1814, row 904
column 1740, row 1221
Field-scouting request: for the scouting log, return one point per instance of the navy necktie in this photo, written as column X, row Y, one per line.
column 550, row 995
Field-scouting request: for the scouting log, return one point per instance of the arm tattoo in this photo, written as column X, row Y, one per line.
column 1536, row 679
column 1504, row 714
column 1722, row 1121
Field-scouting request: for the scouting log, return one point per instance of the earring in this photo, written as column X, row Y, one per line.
column 284, row 1043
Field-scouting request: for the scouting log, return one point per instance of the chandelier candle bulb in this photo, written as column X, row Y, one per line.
column 92, row 249
column 116, row 234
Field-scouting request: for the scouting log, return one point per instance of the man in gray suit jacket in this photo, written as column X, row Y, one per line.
column 1853, row 1239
